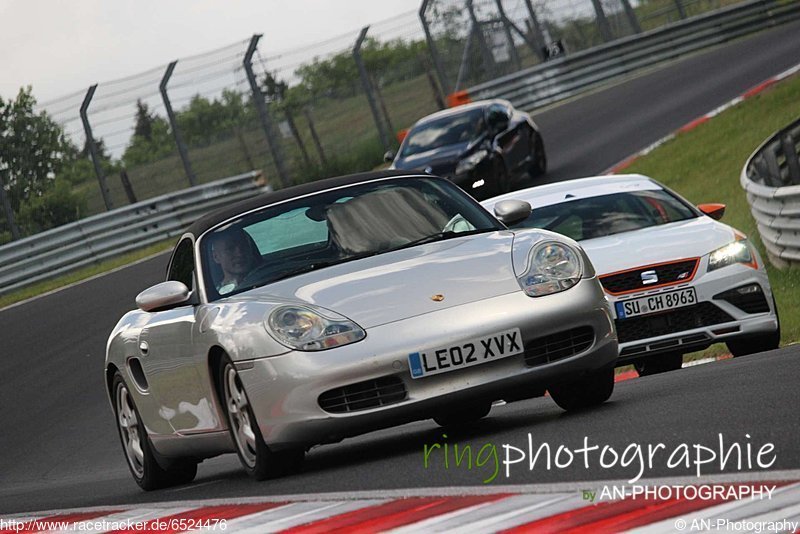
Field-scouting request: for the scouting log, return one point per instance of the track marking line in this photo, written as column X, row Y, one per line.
column 691, row 125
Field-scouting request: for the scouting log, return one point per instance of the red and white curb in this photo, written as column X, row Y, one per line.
column 499, row 511
column 691, row 125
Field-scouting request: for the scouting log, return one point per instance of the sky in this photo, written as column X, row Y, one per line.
column 62, row 47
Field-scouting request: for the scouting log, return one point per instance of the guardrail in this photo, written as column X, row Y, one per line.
column 102, row 236
column 771, row 179
column 562, row 78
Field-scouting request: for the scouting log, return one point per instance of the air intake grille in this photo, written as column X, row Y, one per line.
column 687, row 318
column 667, row 274
column 558, row 346
column 749, row 299
column 363, row 395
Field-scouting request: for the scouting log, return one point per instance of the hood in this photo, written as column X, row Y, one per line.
column 441, row 160
column 685, row 239
column 398, row 285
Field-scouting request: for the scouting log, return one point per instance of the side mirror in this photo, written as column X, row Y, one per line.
column 163, row 295
column 715, row 211
column 388, row 157
column 512, row 211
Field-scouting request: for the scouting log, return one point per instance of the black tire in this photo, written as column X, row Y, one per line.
column 659, row 364
column 754, row 344
column 538, row 165
column 502, row 180
column 464, row 416
column 139, row 452
column 592, row 390
column 256, row 458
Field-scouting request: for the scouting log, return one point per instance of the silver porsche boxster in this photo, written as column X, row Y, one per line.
column 304, row 316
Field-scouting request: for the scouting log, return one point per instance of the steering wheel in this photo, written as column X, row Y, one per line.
column 255, row 275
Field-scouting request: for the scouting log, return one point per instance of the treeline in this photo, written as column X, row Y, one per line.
column 43, row 170
column 39, row 166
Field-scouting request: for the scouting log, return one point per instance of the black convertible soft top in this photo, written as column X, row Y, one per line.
column 215, row 217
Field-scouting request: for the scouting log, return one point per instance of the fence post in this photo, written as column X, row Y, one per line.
column 98, row 168
column 435, row 88
column 273, row 141
column 631, row 14
column 362, row 72
column 126, row 185
column 12, row 225
column 437, row 62
column 536, row 28
column 176, row 132
column 512, row 48
column 511, row 26
column 602, row 21
column 488, row 58
column 313, row 130
column 681, row 10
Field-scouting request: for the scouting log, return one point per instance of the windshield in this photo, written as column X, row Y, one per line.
column 334, row 227
column 461, row 128
column 587, row 218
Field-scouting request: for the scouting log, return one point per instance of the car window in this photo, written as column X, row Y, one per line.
column 587, row 218
column 497, row 114
column 334, row 227
column 461, row 128
column 290, row 229
column 181, row 267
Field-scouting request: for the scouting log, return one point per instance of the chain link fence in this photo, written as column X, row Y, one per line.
column 328, row 108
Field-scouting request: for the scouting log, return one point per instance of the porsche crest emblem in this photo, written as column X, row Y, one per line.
column 437, row 298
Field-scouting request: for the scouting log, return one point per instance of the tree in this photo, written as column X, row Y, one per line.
column 144, row 121
column 59, row 205
column 33, row 148
column 153, row 143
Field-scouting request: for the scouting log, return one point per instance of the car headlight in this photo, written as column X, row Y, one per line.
column 306, row 329
column 552, row 267
column 471, row 161
column 738, row 251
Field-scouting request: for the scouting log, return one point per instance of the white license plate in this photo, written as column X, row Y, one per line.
column 655, row 303
column 465, row 354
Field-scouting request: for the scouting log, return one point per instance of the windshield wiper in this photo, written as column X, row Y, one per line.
column 319, row 265
column 439, row 236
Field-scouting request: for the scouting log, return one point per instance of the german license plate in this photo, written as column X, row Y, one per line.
column 655, row 303
column 465, row 354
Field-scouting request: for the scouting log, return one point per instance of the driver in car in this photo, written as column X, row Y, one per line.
column 236, row 254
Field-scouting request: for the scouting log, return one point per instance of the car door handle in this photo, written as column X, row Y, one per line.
column 144, row 347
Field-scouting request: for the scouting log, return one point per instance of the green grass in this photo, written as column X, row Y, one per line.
column 83, row 273
column 704, row 165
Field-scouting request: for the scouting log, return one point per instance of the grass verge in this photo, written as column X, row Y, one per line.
column 83, row 273
column 704, row 165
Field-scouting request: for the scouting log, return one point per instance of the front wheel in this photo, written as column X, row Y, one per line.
column 654, row 365
column 754, row 344
column 256, row 457
column 502, row 180
column 760, row 343
column 538, row 156
column 592, row 390
column 137, row 447
column 463, row 416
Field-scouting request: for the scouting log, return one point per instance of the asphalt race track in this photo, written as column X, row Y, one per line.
column 59, row 447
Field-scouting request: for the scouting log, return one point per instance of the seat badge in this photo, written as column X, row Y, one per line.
column 649, row 277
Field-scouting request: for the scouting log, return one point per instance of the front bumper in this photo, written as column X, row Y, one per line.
column 726, row 320
column 284, row 390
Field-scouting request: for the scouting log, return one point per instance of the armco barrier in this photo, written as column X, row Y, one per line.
column 95, row 238
column 771, row 179
column 565, row 77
